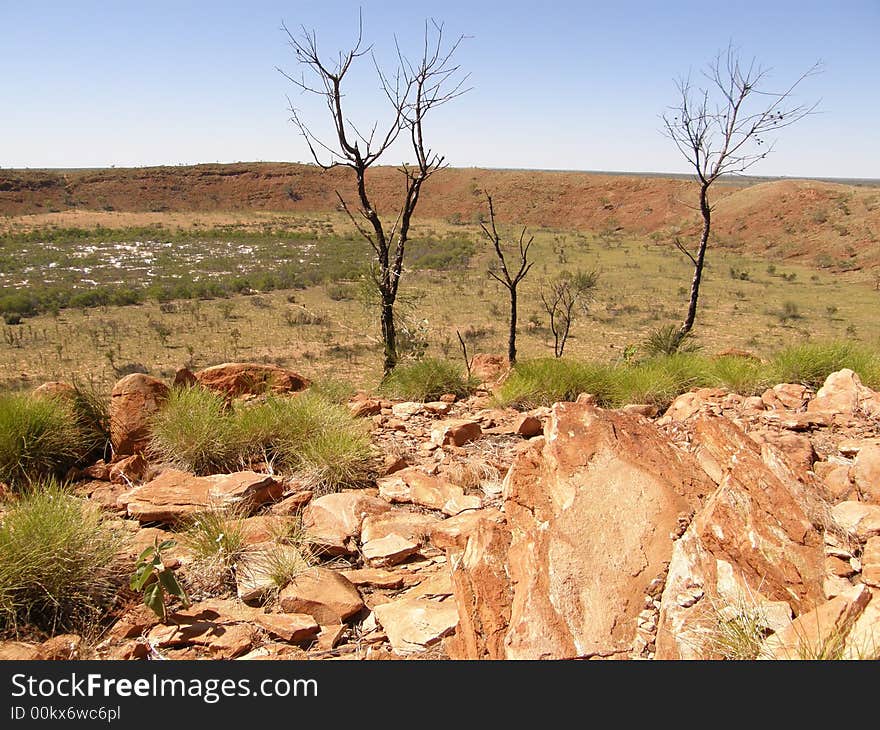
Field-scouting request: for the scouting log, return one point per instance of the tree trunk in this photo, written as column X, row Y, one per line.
column 389, row 334
column 511, row 340
column 706, row 212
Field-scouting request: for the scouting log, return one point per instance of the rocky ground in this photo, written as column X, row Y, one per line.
column 726, row 526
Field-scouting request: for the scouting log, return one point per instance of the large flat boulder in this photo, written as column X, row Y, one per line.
column 175, row 495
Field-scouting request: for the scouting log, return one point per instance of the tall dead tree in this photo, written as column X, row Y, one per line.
column 721, row 128
column 510, row 282
column 412, row 92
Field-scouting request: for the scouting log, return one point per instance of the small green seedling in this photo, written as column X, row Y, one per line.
column 151, row 577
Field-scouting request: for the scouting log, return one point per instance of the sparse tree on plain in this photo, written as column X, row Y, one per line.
column 721, row 129
column 561, row 298
column 416, row 88
column 503, row 275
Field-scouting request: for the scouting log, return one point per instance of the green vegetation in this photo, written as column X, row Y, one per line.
column 116, row 267
column 308, row 434
column 40, row 437
column 56, row 561
column 658, row 380
column 151, row 577
column 217, row 533
column 426, row 380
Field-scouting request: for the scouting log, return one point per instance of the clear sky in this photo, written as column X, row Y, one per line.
column 556, row 85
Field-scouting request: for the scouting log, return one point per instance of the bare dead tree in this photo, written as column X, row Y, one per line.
column 510, row 282
column 561, row 298
column 721, row 129
column 412, row 92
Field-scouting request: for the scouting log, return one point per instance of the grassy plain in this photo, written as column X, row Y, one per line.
column 304, row 306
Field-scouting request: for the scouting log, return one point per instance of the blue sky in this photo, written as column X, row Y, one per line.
column 557, row 85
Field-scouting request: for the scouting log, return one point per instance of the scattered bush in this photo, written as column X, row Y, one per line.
column 667, row 341
column 39, row 437
column 56, row 561
column 308, row 434
column 811, row 363
column 193, row 431
column 426, row 380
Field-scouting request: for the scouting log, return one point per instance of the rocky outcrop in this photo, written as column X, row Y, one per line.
column 133, row 402
column 755, row 527
column 235, row 379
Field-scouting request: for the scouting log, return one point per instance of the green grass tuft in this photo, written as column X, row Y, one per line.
column 194, row 432
column 811, row 363
column 307, row 434
column 39, row 437
column 426, row 380
column 56, row 561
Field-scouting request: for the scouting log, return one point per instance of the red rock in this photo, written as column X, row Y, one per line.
column 786, row 396
column 235, row 379
column 453, row 533
column 456, row 432
column 412, row 625
column 413, row 526
column 63, row 647
column 795, row 448
column 641, row 409
column 130, row 469
column 133, row 401
column 99, row 470
column 838, row 483
column 295, row 628
column 843, row 393
column 374, row 577
column 174, row 495
column 861, row 520
column 863, row 638
column 757, row 523
column 18, row 651
column 55, row 389
column 184, row 378
column 599, row 479
column 389, row 550
column 323, row 594
column 871, row 564
column 683, row 407
column 483, row 592
column 364, row 408
column 292, row 504
column 866, row 473
column 416, row 487
column 528, row 426
column 333, row 522
column 489, row 368
column 838, row 567
column 820, row 633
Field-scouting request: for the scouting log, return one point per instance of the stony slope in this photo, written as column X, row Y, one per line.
column 566, row 532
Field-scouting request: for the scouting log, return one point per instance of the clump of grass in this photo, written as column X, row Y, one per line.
column 217, row 533
column 737, row 632
column 307, row 434
column 666, row 340
column 56, row 561
column 544, row 381
column 193, row 431
column 39, row 437
column 743, row 375
column 811, row 363
column 335, row 391
column 657, row 380
column 426, row 380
